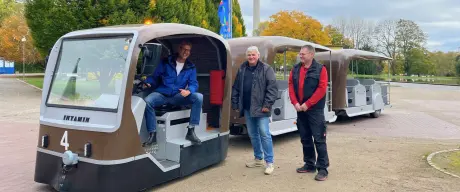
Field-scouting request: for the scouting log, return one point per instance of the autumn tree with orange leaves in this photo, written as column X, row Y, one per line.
column 13, row 29
column 297, row 25
column 294, row 24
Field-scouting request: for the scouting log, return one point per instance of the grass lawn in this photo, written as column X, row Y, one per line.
column 35, row 81
column 403, row 77
column 90, row 88
column 448, row 161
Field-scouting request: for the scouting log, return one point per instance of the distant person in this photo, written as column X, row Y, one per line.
column 253, row 94
column 307, row 90
column 174, row 82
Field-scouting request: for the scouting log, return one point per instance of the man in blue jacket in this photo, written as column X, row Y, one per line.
column 174, row 82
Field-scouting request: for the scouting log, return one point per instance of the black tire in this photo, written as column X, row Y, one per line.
column 376, row 113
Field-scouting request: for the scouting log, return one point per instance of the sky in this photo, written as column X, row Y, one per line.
column 439, row 19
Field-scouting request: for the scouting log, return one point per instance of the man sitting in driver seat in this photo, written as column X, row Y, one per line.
column 174, row 82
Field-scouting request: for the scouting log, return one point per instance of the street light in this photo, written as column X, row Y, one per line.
column 256, row 16
column 23, row 59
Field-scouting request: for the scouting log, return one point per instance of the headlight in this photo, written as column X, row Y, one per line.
column 69, row 158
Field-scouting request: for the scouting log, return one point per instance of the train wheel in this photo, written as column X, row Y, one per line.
column 376, row 113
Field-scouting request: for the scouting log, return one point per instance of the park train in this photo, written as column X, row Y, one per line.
column 92, row 122
column 345, row 96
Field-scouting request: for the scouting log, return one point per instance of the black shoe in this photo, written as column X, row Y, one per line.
column 151, row 140
column 322, row 175
column 191, row 136
column 306, row 169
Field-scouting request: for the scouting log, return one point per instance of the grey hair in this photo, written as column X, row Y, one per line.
column 310, row 48
column 253, row 48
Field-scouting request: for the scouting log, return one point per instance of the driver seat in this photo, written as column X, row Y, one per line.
column 161, row 110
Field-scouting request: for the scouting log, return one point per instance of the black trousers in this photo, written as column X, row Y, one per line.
column 312, row 130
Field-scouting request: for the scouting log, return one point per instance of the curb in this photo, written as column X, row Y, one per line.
column 29, row 84
column 436, row 167
column 451, row 85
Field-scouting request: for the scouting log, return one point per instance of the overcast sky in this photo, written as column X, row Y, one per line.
column 439, row 19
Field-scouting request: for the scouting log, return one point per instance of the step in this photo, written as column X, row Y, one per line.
column 173, row 146
column 167, row 164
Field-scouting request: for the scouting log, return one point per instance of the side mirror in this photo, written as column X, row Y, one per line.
column 46, row 60
column 47, row 57
column 151, row 53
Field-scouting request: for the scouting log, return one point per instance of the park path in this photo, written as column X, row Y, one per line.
column 384, row 154
column 19, row 102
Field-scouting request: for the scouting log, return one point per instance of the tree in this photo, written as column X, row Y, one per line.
column 238, row 28
column 420, row 62
column 337, row 38
column 445, row 63
column 212, row 19
column 385, row 36
column 6, row 8
column 457, row 66
column 408, row 36
column 297, row 25
column 196, row 13
column 341, row 24
column 358, row 30
column 13, row 29
column 50, row 19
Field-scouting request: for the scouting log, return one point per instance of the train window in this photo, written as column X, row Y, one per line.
column 89, row 73
column 280, row 64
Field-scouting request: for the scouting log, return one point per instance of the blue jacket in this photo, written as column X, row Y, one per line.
column 166, row 81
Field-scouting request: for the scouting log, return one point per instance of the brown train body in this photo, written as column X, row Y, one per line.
column 340, row 61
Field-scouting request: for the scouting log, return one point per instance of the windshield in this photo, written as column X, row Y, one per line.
column 89, row 73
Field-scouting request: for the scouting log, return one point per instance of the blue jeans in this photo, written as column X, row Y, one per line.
column 261, row 139
column 157, row 99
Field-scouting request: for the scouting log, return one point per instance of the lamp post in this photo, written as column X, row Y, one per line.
column 23, row 58
column 256, row 16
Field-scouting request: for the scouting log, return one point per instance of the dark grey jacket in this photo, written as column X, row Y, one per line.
column 264, row 90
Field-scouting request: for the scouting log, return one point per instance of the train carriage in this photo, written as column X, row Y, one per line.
column 92, row 123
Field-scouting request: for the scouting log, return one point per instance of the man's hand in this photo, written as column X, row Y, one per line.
column 297, row 107
column 265, row 110
column 146, row 85
column 304, row 107
column 184, row 92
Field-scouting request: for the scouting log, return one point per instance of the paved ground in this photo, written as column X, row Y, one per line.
column 384, row 154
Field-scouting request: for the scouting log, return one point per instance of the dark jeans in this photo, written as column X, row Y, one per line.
column 311, row 125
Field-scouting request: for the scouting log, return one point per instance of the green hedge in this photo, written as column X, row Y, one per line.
column 29, row 68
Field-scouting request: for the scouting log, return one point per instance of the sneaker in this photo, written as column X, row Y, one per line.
column 269, row 169
column 321, row 176
column 306, row 169
column 255, row 163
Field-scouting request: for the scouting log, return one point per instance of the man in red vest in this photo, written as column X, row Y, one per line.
column 307, row 91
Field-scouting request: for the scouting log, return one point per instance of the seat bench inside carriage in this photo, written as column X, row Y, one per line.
column 172, row 121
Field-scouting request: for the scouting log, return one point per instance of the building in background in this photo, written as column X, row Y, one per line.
column 6, row 67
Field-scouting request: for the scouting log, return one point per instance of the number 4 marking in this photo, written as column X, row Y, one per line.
column 64, row 141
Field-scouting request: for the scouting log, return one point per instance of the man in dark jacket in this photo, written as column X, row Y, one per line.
column 174, row 82
column 307, row 90
column 253, row 94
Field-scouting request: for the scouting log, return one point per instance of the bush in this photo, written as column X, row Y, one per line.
column 457, row 67
column 29, row 68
